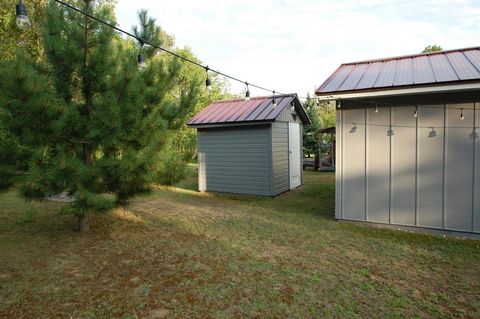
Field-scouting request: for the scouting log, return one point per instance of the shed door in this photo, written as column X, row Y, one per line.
column 294, row 154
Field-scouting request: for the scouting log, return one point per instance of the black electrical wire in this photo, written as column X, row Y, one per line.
column 208, row 68
column 162, row 49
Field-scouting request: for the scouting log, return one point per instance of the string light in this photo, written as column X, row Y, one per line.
column 339, row 104
column 274, row 102
column 208, row 82
column 292, row 106
column 462, row 117
column 415, row 113
column 247, row 93
column 22, row 21
column 140, row 57
column 376, row 109
column 183, row 58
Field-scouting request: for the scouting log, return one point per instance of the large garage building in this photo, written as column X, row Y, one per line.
column 408, row 151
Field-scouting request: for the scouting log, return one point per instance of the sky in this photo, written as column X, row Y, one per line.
column 292, row 46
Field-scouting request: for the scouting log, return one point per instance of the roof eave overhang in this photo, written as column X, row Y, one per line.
column 229, row 124
column 430, row 89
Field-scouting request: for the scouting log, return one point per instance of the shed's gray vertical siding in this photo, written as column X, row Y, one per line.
column 286, row 116
column 280, row 169
column 426, row 168
column 235, row 160
column 280, row 150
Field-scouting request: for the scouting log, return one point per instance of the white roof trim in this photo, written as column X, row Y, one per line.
column 407, row 91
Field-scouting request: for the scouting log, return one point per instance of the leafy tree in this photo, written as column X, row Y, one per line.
column 432, row 48
column 12, row 37
column 327, row 114
column 85, row 119
column 323, row 115
column 310, row 136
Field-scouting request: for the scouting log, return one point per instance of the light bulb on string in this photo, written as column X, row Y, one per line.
column 292, row 106
column 415, row 113
column 376, row 108
column 462, row 117
column 339, row 104
column 208, row 82
column 274, row 102
column 247, row 93
column 140, row 56
column 141, row 61
column 22, row 21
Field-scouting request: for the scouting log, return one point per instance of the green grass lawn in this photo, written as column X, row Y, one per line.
column 180, row 253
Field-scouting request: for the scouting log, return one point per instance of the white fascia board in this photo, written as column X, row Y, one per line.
column 396, row 92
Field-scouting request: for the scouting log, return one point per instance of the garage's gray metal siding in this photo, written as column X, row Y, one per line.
column 398, row 169
column 235, row 160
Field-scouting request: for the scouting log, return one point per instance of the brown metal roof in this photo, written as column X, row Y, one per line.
column 257, row 109
column 419, row 69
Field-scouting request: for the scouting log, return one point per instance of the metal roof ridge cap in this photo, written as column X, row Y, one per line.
column 410, row 56
column 254, row 98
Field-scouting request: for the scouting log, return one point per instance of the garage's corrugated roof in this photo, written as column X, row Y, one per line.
column 419, row 69
column 239, row 110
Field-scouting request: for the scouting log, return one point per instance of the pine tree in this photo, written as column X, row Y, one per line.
column 87, row 120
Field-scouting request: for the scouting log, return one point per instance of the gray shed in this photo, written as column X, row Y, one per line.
column 251, row 147
column 407, row 144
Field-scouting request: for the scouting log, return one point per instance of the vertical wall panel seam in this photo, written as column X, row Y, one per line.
column 343, row 163
column 366, row 164
column 475, row 167
column 416, row 171
column 390, row 140
column 444, row 171
column 288, row 153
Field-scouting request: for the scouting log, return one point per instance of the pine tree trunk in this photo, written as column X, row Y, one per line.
column 83, row 220
column 83, row 223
